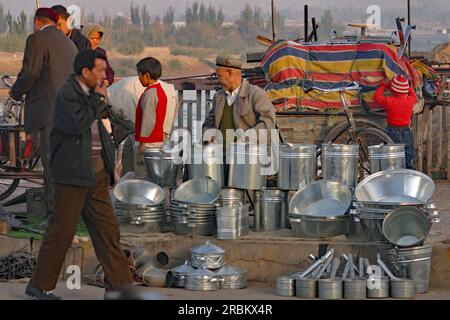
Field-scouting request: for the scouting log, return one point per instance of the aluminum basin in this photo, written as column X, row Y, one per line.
column 321, row 199
column 396, row 186
column 201, row 191
column 138, row 192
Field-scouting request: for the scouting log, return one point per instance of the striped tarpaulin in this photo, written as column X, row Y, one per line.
column 293, row 67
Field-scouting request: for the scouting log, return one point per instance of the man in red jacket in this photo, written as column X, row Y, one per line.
column 399, row 108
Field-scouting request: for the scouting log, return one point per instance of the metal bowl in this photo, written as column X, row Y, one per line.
column 319, row 227
column 202, row 191
column 396, row 186
column 406, row 226
column 321, row 199
column 138, row 192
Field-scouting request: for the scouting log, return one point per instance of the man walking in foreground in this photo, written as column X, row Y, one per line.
column 82, row 164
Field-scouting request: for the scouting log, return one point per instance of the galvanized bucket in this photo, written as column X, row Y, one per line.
column 297, row 166
column 229, row 197
column 331, row 289
column 162, row 166
column 355, row 289
column 340, row 163
column 286, row 286
column 207, row 161
column 306, row 288
column 271, row 210
column 232, row 222
column 246, row 166
column 414, row 263
column 386, row 157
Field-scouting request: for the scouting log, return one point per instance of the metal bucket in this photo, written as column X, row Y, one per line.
column 286, row 286
column 386, row 157
column 340, row 163
column 402, row 289
column 380, row 291
column 297, row 166
column 232, row 222
column 355, row 289
column 414, row 263
column 271, row 210
column 246, row 164
column 229, row 197
column 330, row 289
column 306, row 288
column 207, row 161
column 162, row 166
column 406, row 226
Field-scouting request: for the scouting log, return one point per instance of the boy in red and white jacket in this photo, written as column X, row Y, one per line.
column 150, row 112
column 399, row 105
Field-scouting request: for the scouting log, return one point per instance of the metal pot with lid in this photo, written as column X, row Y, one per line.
column 208, row 255
column 232, row 278
column 179, row 274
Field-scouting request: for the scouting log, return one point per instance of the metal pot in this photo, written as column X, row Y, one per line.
column 207, row 161
column 270, row 210
column 286, row 286
column 306, row 288
column 396, row 186
column 229, row 197
column 319, row 227
column 208, row 255
column 406, row 226
column 179, row 274
column 340, row 163
column 386, row 157
column 232, row 278
column 321, row 199
column 198, row 191
column 162, row 165
column 402, row 288
column 246, row 164
column 330, row 289
column 380, row 291
column 201, row 280
column 138, row 192
column 297, row 166
column 355, row 289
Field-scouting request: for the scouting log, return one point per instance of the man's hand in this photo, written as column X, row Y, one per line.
column 101, row 88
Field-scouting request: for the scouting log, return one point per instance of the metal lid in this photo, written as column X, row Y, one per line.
column 230, row 271
column 201, row 272
column 184, row 268
column 208, row 248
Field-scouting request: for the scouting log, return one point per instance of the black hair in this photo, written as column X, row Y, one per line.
column 151, row 66
column 86, row 59
column 62, row 11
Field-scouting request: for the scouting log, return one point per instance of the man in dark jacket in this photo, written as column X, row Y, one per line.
column 83, row 167
column 46, row 66
column 80, row 41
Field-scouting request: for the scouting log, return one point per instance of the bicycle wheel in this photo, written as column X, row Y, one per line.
column 7, row 186
column 368, row 137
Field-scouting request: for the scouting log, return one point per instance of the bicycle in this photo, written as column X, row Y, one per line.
column 361, row 132
column 13, row 167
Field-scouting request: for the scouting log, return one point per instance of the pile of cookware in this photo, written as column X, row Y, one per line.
column 207, row 271
column 319, row 210
column 194, row 206
column 325, row 279
column 149, row 270
column 139, row 206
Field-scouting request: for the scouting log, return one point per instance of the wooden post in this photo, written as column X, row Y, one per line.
column 12, row 148
column 429, row 143
column 180, row 109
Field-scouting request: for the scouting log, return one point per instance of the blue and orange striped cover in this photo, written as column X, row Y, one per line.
column 288, row 65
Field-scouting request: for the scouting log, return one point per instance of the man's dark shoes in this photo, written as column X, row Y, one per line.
column 40, row 294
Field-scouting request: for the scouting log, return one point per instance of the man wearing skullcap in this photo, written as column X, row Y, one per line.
column 239, row 105
column 47, row 64
column 64, row 24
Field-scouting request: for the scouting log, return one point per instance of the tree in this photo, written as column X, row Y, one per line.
column 220, row 18
column 119, row 23
column 169, row 17
column 3, row 22
column 211, row 15
column 135, row 15
column 326, row 25
column 145, row 16
column 250, row 24
column 202, row 13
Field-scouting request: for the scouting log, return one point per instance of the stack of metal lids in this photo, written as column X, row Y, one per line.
column 180, row 272
column 201, row 280
column 232, row 278
column 208, row 256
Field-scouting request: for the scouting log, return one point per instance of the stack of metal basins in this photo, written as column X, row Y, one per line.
column 194, row 206
column 380, row 194
column 139, row 206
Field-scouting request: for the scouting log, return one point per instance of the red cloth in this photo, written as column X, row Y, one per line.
column 47, row 13
column 157, row 134
column 399, row 107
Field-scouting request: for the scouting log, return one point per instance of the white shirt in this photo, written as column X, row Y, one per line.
column 48, row 25
column 231, row 96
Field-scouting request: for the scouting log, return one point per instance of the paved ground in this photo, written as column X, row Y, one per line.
column 15, row 291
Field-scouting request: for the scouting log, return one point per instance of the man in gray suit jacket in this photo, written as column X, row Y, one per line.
column 47, row 63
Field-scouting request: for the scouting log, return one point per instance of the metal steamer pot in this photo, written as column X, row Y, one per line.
column 208, row 255
column 201, row 280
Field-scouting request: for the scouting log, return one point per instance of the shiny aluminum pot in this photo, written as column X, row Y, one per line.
column 340, row 163
column 319, row 227
column 207, row 161
column 271, row 210
column 386, row 157
column 207, row 255
column 229, row 197
column 355, row 289
column 286, row 286
column 162, row 165
column 306, row 288
column 198, row 191
column 246, row 166
column 138, row 192
column 297, row 166
column 330, row 289
column 201, row 280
